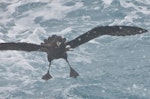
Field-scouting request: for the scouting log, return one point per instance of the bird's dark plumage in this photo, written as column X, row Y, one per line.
column 20, row 46
column 56, row 47
column 105, row 30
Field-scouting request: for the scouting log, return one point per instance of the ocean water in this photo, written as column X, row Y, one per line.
column 109, row 67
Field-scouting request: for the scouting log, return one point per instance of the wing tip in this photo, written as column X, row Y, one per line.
column 144, row 30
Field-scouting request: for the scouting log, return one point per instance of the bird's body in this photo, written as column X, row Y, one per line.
column 56, row 47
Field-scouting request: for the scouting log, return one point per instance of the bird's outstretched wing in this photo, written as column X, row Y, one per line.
column 20, row 46
column 105, row 30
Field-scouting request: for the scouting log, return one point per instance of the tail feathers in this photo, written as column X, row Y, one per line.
column 19, row 46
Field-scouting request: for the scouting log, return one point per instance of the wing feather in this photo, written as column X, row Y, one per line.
column 20, row 46
column 105, row 30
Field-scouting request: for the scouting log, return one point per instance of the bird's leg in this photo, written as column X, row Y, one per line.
column 47, row 76
column 73, row 73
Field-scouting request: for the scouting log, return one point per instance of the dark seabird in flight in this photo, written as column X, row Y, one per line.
column 56, row 47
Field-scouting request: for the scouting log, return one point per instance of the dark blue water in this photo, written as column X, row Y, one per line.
column 109, row 67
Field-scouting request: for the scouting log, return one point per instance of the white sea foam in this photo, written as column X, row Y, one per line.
column 141, row 9
column 107, row 2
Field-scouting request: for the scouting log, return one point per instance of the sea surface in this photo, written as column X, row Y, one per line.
column 110, row 67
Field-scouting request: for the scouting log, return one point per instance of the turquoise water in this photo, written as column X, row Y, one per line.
column 109, row 67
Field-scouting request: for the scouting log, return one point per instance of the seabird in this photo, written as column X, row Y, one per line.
column 56, row 46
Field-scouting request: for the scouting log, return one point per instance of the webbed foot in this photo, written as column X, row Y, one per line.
column 73, row 73
column 47, row 76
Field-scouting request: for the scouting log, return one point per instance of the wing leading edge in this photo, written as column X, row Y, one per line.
column 20, row 46
column 105, row 30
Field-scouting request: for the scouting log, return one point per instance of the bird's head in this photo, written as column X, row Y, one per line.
column 54, row 42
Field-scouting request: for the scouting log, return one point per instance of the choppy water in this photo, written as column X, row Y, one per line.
column 109, row 67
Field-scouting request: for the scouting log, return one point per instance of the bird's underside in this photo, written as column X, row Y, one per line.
column 56, row 47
